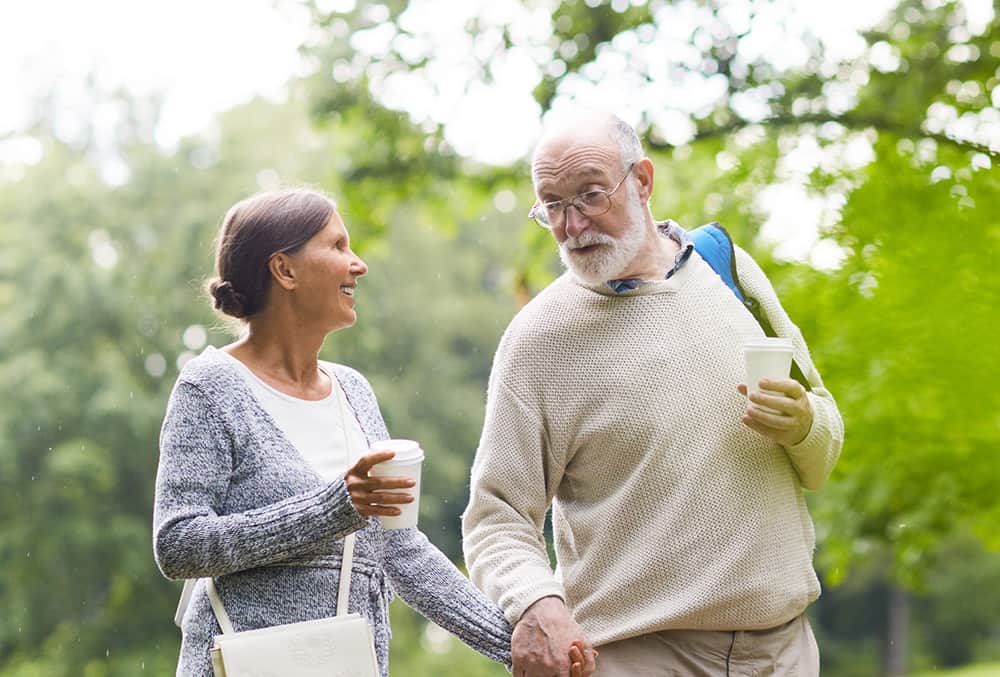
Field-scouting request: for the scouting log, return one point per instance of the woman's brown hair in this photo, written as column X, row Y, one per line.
column 254, row 230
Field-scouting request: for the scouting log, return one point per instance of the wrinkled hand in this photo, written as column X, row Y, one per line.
column 543, row 639
column 786, row 396
column 363, row 487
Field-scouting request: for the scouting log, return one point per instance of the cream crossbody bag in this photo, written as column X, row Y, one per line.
column 341, row 646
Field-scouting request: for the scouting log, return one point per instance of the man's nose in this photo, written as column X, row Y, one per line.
column 575, row 222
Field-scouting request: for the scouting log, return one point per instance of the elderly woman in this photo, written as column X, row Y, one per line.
column 256, row 484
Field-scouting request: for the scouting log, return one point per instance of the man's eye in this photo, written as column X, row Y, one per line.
column 592, row 198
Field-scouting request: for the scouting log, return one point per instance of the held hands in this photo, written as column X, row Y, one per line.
column 578, row 663
column 363, row 487
column 547, row 642
column 788, row 398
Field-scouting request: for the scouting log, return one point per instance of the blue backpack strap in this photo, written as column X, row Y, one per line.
column 713, row 244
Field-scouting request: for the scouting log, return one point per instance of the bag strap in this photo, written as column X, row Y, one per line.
column 714, row 244
column 344, row 590
column 343, row 594
column 217, row 608
column 182, row 603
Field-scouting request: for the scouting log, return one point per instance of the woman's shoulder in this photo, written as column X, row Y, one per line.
column 350, row 379
column 210, row 371
column 361, row 397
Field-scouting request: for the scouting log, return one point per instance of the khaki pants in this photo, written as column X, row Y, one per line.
column 786, row 651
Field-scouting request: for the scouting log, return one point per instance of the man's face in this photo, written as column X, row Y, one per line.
column 595, row 248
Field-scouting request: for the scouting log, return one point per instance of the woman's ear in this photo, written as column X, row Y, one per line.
column 282, row 271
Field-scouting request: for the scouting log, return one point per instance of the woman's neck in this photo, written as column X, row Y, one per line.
column 286, row 360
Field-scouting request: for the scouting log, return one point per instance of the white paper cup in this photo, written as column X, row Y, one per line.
column 766, row 358
column 406, row 463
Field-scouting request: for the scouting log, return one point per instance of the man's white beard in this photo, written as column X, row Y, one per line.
column 607, row 263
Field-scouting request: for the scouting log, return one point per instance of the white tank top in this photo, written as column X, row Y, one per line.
column 312, row 426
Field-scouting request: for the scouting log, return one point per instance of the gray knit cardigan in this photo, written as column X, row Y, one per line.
column 235, row 500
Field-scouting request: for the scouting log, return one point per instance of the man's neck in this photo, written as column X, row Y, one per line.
column 655, row 258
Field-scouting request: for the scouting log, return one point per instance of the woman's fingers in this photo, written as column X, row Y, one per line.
column 388, row 483
column 590, row 664
column 373, row 495
column 371, row 491
column 371, row 510
column 384, row 498
column 576, row 661
column 582, row 660
column 368, row 461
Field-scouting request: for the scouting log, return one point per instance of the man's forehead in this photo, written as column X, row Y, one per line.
column 580, row 160
column 578, row 135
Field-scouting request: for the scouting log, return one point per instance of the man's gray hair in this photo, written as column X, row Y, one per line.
column 629, row 146
column 620, row 133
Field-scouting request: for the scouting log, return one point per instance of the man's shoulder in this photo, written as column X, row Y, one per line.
column 551, row 306
column 560, row 293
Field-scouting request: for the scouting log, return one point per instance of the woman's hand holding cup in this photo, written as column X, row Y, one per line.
column 373, row 496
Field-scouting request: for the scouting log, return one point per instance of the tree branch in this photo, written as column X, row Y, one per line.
column 849, row 120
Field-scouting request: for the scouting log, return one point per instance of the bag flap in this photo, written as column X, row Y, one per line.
column 341, row 646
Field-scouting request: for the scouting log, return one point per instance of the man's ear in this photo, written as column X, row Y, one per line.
column 282, row 271
column 644, row 174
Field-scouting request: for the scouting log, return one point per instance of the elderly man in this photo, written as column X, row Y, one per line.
column 682, row 538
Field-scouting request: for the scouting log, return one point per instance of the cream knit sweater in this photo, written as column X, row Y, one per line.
column 621, row 411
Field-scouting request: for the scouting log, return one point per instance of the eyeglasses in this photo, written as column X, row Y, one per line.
column 592, row 203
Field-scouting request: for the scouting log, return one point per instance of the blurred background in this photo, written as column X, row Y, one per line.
column 850, row 146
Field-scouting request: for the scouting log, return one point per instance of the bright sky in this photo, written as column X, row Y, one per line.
column 209, row 55
column 206, row 55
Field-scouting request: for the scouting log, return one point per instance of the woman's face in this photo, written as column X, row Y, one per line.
column 326, row 274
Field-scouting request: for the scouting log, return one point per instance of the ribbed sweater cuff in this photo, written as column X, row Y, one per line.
column 488, row 635
column 327, row 513
column 343, row 518
column 519, row 600
column 810, row 455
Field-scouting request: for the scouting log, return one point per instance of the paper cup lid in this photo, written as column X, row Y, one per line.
column 769, row 343
column 406, row 450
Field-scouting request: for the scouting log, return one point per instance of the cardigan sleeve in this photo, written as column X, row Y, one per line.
column 192, row 537
column 816, row 455
column 429, row 583
column 420, row 573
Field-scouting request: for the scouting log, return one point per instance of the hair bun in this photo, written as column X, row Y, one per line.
column 227, row 299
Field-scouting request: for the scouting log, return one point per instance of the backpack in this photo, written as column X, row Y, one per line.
column 713, row 244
